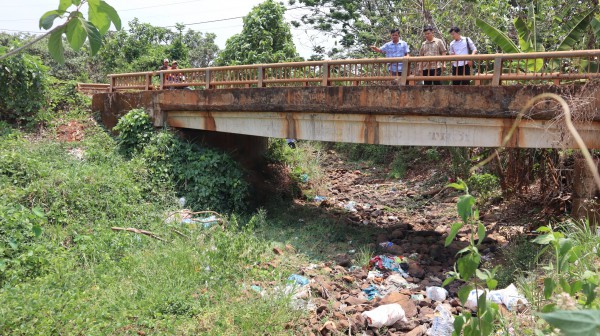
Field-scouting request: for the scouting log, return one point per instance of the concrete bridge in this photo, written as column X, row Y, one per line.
column 357, row 101
column 237, row 108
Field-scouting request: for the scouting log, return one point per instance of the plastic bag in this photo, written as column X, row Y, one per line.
column 436, row 293
column 443, row 322
column 385, row 315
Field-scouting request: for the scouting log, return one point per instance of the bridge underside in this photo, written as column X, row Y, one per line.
column 389, row 115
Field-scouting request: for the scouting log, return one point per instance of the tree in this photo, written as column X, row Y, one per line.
column 356, row 24
column 265, row 38
column 202, row 48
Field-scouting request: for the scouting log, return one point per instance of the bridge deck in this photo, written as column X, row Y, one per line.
column 392, row 115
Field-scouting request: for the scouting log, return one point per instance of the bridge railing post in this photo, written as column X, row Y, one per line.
column 325, row 70
column 148, row 81
column 261, row 76
column 405, row 71
column 497, row 71
column 207, row 79
column 162, row 81
column 112, row 84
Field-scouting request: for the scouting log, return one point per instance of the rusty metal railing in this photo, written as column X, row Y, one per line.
column 489, row 69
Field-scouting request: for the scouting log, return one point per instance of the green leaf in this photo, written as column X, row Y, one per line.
column 549, row 286
column 55, row 46
column 13, row 243
column 453, row 232
column 93, row 35
column 38, row 212
column 64, row 4
column 47, row 20
column 524, row 35
column 76, row 35
column 574, row 322
column 458, row 186
column 448, row 280
column 463, row 293
column 498, row 37
column 97, row 17
column 37, row 230
column 468, row 264
column 543, row 229
column 480, row 233
column 575, row 28
column 544, row 239
column 595, row 24
column 491, row 283
column 465, row 207
column 112, row 14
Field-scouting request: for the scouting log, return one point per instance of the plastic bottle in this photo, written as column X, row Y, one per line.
column 385, row 315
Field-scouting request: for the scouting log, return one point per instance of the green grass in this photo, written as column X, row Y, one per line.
column 91, row 280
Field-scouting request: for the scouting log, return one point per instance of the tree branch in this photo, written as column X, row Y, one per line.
column 30, row 43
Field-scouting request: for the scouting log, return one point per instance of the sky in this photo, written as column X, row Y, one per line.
column 23, row 16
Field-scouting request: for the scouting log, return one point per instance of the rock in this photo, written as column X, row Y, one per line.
column 415, row 270
column 343, row 260
column 404, row 301
column 343, row 325
column 354, row 301
column 398, row 234
column 328, row 328
column 348, row 278
column 426, row 312
column 418, row 331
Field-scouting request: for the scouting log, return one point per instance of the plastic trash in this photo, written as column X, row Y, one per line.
column 385, row 315
column 374, row 274
column 350, row 206
column 436, row 293
column 471, row 302
column 372, row 292
column 182, row 201
column 320, row 198
column 298, row 279
column 508, row 296
column 304, row 178
column 386, row 244
column 443, row 322
column 256, row 289
column 417, row 297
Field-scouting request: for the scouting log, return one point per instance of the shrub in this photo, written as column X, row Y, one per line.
column 23, row 89
column 485, row 185
column 208, row 179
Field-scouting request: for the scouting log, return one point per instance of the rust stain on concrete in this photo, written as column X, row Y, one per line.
column 209, row 122
column 291, row 126
column 371, row 130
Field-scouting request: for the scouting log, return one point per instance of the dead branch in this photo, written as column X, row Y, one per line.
column 138, row 231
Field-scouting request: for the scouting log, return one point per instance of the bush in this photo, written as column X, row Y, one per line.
column 23, row 89
column 484, row 185
column 208, row 179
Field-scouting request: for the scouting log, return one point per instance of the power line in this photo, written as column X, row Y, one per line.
column 226, row 19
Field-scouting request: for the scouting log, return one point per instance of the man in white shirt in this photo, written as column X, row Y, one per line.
column 461, row 46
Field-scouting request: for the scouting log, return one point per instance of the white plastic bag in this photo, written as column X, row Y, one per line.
column 443, row 322
column 436, row 293
column 385, row 315
column 508, row 296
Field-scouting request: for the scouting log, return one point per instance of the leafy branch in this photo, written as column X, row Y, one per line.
column 76, row 29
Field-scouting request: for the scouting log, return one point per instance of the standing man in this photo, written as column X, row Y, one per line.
column 165, row 65
column 461, row 46
column 395, row 48
column 432, row 46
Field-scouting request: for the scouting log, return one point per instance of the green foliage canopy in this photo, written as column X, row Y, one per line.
column 265, row 38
